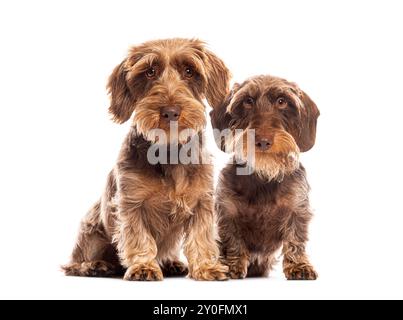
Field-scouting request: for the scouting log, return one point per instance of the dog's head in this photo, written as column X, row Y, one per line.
column 283, row 116
column 167, row 80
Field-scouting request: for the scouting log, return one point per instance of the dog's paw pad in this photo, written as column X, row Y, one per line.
column 216, row 272
column 143, row 272
column 303, row 272
column 237, row 272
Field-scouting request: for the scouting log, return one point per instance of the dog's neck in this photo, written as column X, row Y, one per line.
column 256, row 189
column 134, row 153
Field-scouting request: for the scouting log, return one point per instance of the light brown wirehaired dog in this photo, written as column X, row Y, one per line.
column 138, row 224
column 259, row 213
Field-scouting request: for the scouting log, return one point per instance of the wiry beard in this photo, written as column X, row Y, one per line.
column 275, row 167
column 280, row 160
column 171, row 136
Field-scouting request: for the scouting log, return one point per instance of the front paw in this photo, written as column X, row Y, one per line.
column 210, row 272
column 144, row 272
column 300, row 272
column 237, row 270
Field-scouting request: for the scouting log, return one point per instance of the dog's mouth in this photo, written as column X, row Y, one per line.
column 159, row 124
column 172, row 126
column 273, row 159
column 271, row 166
column 173, row 132
column 287, row 160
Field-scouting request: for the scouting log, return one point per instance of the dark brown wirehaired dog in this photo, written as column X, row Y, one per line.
column 146, row 209
column 259, row 213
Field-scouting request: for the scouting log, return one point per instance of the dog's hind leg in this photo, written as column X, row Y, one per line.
column 93, row 254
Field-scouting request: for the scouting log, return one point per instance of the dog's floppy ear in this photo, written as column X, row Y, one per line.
column 122, row 101
column 306, row 133
column 220, row 118
column 218, row 78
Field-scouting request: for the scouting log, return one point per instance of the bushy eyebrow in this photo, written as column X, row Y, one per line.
column 287, row 93
column 191, row 60
column 144, row 63
column 238, row 98
column 275, row 92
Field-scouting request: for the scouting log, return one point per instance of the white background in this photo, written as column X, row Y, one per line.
column 58, row 144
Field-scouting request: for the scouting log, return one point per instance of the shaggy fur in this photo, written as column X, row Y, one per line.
column 137, row 226
column 261, row 212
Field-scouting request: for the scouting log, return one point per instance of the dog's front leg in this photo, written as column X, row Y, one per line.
column 200, row 246
column 296, row 265
column 234, row 252
column 137, row 248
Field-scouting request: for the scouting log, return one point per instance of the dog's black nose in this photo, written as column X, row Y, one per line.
column 171, row 113
column 264, row 144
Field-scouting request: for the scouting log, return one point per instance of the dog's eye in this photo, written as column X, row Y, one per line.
column 281, row 102
column 189, row 72
column 150, row 72
column 249, row 102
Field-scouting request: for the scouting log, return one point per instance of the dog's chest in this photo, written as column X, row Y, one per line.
column 179, row 192
column 262, row 214
column 261, row 226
